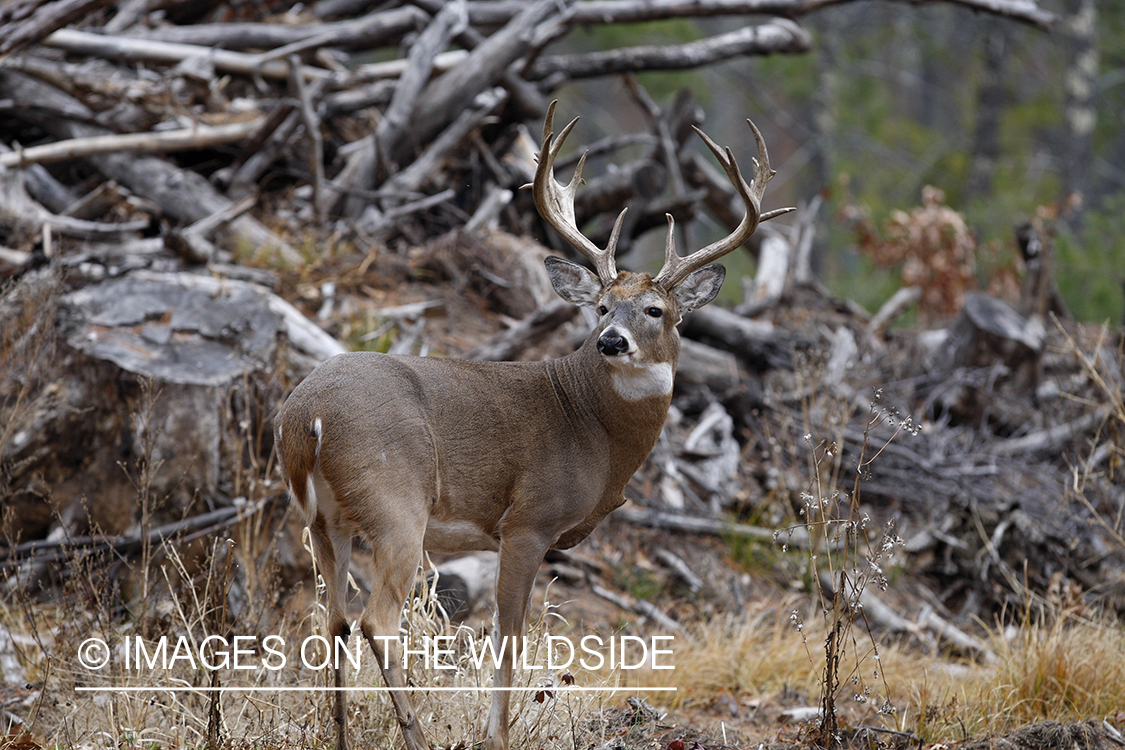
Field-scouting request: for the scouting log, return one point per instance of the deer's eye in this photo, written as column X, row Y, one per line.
column 654, row 312
column 602, row 309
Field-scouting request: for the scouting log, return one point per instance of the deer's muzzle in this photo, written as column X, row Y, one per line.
column 612, row 344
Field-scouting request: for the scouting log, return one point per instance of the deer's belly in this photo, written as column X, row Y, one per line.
column 457, row 536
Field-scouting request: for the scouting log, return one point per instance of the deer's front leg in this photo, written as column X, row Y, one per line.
column 520, row 555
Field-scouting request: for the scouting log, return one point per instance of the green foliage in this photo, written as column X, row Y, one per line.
column 1090, row 264
column 360, row 342
column 857, row 278
column 904, row 115
column 637, row 582
column 752, row 555
column 793, row 76
column 738, row 265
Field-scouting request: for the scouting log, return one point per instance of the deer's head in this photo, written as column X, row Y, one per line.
column 638, row 312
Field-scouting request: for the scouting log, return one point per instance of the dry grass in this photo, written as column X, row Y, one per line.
column 1061, row 664
column 1065, row 670
column 762, row 654
column 272, row 708
column 1069, row 668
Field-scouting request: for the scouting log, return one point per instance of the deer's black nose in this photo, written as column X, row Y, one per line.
column 611, row 344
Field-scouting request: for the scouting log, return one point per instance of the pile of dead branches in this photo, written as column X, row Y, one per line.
column 280, row 120
column 144, row 139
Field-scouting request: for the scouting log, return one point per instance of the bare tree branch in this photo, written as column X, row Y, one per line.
column 367, row 32
column 779, row 35
column 450, row 94
column 158, row 142
column 23, row 32
column 632, row 11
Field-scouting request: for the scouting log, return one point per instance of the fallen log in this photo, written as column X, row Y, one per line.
column 796, row 537
column 182, row 195
column 507, row 345
column 44, row 187
column 593, row 12
column 47, row 551
column 680, row 568
column 1052, row 439
column 778, row 36
column 875, row 611
column 453, row 91
column 374, row 30
column 18, row 210
column 133, row 49
column 773, row 272
column 162, row 141
column 373, row 153
column 464, row 583
column 413, row 177
column 899, row 302
column 46, row 18
column 758, row 344
column 700, row 364
column 639, row 606
column 989, row 334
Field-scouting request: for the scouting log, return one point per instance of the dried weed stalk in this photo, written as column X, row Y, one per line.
column 846, row 555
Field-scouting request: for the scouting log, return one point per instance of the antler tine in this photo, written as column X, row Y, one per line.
column 677, row 268
column 556, row 202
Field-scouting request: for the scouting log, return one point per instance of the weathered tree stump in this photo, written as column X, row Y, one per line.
column 989, row 334
column 149, row 398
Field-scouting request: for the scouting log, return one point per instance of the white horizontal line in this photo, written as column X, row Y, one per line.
column 564, row 689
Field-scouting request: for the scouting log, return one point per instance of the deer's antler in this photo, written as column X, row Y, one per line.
column 556, row 202
column 677, row 268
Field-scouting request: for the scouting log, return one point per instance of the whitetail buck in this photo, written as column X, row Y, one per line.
column 449, row 455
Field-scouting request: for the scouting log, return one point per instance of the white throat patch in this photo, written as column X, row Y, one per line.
column 636, row 381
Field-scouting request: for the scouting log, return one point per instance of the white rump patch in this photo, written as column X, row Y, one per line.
column 636, row 381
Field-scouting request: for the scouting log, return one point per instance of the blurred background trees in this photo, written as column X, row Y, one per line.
column 1008, row 122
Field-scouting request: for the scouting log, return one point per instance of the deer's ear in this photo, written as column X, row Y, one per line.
column 700, row 287
column 573, row 282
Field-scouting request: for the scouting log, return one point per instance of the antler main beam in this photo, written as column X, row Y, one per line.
column 677, row 268
column 556, row 202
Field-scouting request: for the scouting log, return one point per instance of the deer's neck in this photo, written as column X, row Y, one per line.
column 630, row 403
column 584, row 387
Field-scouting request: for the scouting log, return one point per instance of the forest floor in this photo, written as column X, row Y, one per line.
column 852, row 532
column 747, row 639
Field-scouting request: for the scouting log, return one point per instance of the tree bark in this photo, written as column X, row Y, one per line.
column 992, row 100
column 1081, row 113
column 367, row 32
column 364, row 164
column 23, row 32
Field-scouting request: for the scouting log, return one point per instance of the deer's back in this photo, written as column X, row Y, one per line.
column 467, row 439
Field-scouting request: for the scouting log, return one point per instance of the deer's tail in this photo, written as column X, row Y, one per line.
column 298, row 448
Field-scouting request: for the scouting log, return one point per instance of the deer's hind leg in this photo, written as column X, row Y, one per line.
column 397, row 545
column 332, row 547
